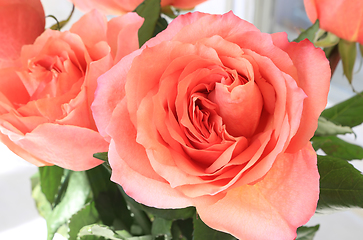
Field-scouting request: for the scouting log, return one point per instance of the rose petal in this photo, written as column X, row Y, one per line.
column 344, row 18
column 91, row 27
column 75, row 145
column 110, row 91
column 21, row 153
column 122, row 34
column 21, row 22
column 240, row 109
column 137, row 178
column 314, row 80
column 274, row 207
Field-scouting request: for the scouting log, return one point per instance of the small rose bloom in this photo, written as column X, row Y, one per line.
column 344, row 18
column 212, row 113
column 45, row 114
column 21, row 22
column 124, row 6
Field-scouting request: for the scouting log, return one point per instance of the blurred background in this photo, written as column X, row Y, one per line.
column 19, row 219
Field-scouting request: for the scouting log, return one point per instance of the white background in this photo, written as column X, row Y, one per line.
column 19, row 219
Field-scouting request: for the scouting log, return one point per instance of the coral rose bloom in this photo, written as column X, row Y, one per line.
column 45, row 114
column 21, row 22
column 212, row 113
column 344, row 18
column 123, row 6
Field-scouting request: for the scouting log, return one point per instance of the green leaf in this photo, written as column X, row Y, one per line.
column 43, row 206
column 97, row 230
column 160, row 26
column 306, row 233
column 86, row 216
column 170, row 11
column 347, row 113
column 348, row 53
column 161, row 226
column 341, row 185
column 146, row 237
column 171, row 214
column 325, row 39
column 74, row 199
column 186, row 228
column 140, row 217
column 123, row 234
column 150, row 10
column 328, row 128
column 203, row 232
column 92, row 237
column 102, row 156
column 50, row 181
column 336, row 147
column 309, row 33
column 108, row 199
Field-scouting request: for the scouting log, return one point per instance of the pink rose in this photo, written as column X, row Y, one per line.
column 45, row 114
column 123, row 6
column 212, row 113
column 344, row 18
column 21, row 22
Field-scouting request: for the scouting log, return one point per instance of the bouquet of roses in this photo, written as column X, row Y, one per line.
column 149, row 125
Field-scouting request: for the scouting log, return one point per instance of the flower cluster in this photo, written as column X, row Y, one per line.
column 210, row 112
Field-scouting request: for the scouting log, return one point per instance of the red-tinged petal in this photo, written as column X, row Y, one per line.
column 21, row 22
column 274, row 207
column 70, row 147
column 314, row 80
column 122, row 34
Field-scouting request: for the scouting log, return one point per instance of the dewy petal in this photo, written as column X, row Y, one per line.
column 273, row 208
column 21, row 22
column 67, row 146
